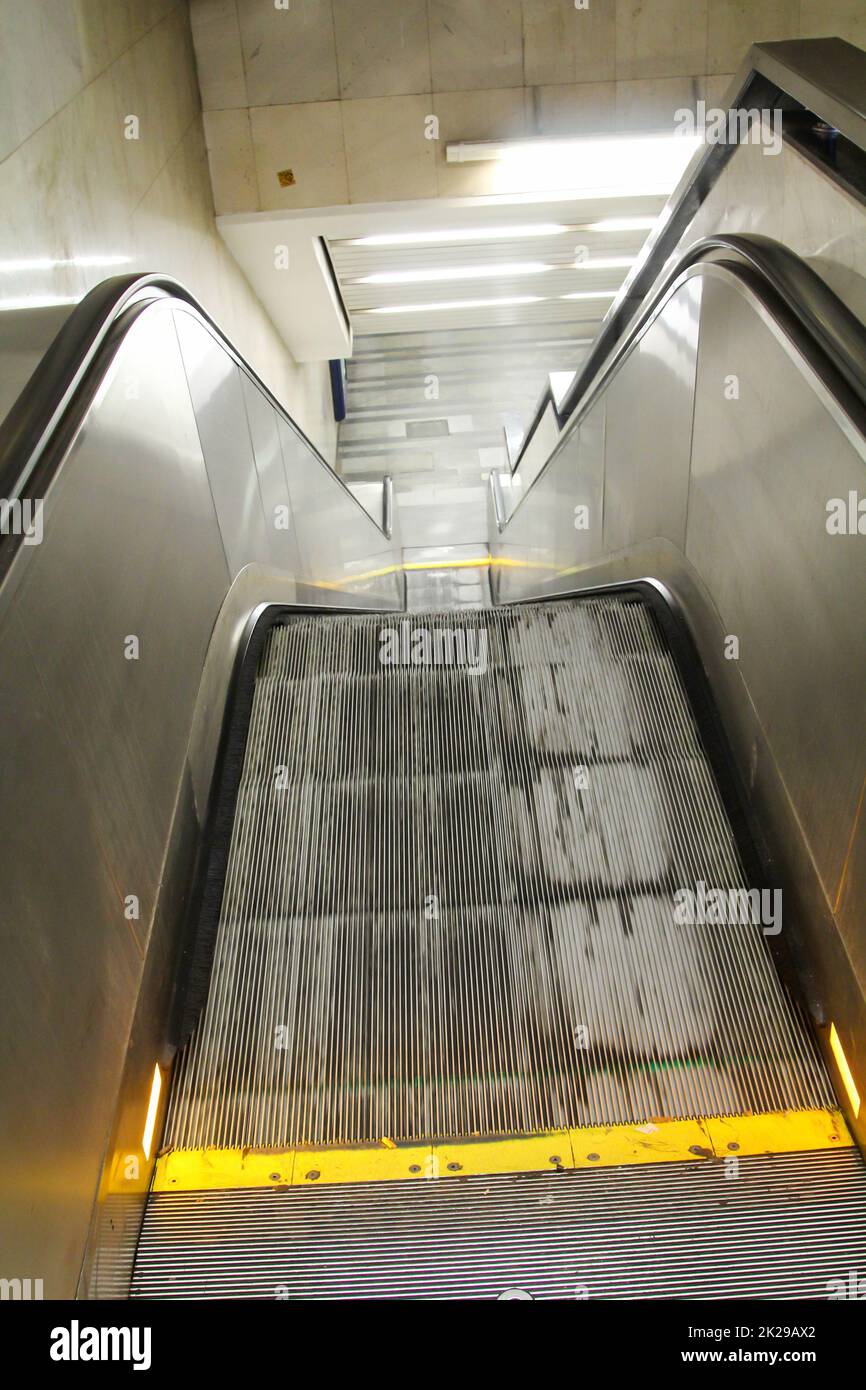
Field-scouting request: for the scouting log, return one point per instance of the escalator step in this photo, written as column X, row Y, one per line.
column 449, row 906
column 781, row 1227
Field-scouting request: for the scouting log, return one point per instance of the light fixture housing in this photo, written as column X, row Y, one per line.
column 603, row 165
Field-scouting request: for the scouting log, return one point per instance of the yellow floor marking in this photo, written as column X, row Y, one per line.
column 609, row 1146
column 790, row 1132
column 664, row 1141
column 366, row 1163
column 210, row 1170
column 533, row 1153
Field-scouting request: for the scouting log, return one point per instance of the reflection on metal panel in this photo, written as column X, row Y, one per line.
column 101, row 672
column 767, row 458
column 280, row 524
column 118, row 640
column 106, row 626
column 649, row 428
column 70, row 971
column 215, row 388
column 341, row 547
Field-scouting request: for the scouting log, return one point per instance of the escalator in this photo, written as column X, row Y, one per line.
column 450, row 1005
column 390, row 946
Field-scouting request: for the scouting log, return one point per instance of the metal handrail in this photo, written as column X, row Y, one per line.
column 829, row 336
column 40, row 409
column 825, row 77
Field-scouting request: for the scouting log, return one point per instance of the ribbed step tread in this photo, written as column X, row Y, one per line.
column 479, row 936
column 784, row 1227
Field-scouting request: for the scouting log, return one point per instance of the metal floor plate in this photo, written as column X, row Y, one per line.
column 790, row 1226
column 449, row 907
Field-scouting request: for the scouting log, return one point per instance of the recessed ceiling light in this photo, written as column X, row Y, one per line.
column 454, row 304
column 430, row 238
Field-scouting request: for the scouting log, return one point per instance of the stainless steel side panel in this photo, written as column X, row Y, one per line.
column 722, row 451
column 766, row 459
column 217, row 397
column 335, row 539
column 70, row 971
column 94, row 746
column 649, row 427
column 119, row 600
column 280, row 524
column 117, row 640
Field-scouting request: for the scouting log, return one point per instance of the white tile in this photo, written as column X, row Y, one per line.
column 289, row 55
column 155, row 82
column 308, row 140
column 99, row 212
column 63, row 52
column 26, row 92
column 387, row 153
column 733, row 25
column 231, row 160
column 475, row 44
column 660, row 38
column 382, row 49
column 564, row 44
column 107, row 28
column 219, row 60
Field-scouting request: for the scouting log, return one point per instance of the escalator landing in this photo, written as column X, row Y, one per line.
column 781, row 1227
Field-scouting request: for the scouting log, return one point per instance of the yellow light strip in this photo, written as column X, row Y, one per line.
column 844, row 1071
column 474, row 564
column 152, row 1108
column 663, row 1141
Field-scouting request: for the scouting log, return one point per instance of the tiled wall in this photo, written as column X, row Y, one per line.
column 337, row 91
column 80, row 202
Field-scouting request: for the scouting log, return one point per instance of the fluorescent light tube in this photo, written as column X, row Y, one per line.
column 619, row 165
column 454, row 304
column 431, row 238
column 464, row 272
column 619, row 224
column 591, row 294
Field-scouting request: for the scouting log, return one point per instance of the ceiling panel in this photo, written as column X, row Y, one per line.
column 473, row 275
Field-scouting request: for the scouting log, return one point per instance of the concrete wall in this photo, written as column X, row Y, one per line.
column 337, row 91
column 82, row 202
